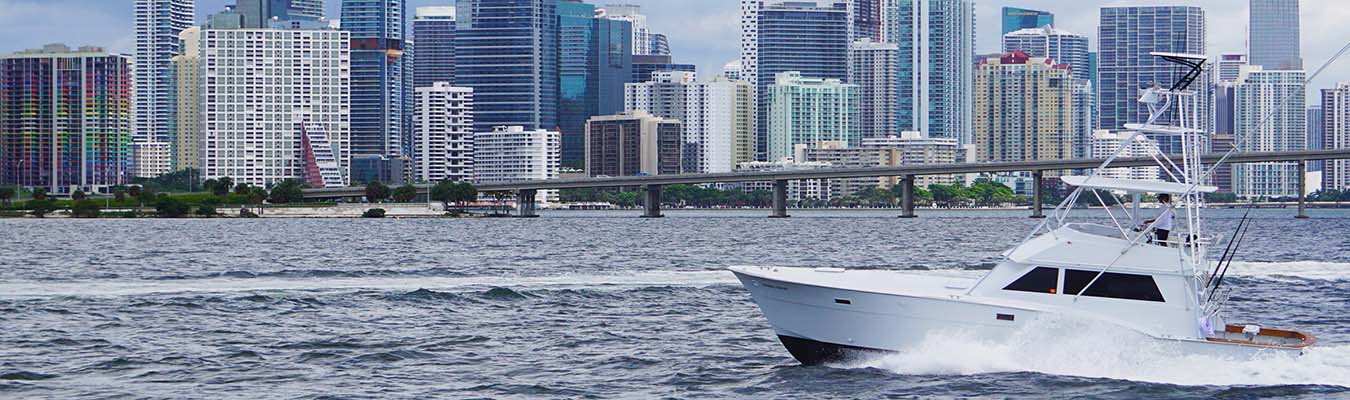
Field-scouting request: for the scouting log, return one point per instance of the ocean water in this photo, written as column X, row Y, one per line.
column 585, row 305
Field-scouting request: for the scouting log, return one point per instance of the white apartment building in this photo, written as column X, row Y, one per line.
column 511, row 153
column 1336, row 135
column 717, row 116
column 443, row 133
column 807, row 110
column 1259, row 93
column 917, row 148
column 1105, row 144
column 258, row 87
column 151, row 159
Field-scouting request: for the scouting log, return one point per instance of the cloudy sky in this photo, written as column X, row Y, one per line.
column 702, row 32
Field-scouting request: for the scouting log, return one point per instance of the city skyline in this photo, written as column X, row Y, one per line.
column 697, row 28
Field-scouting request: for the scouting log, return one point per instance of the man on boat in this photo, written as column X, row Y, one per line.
column 1163, row 226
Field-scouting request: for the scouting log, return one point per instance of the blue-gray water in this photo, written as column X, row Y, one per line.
column 578, row 305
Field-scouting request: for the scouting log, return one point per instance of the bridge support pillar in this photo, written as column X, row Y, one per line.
column 780, row 199
column 652, row 203
column 1037, row 177
column 1302, row 190
column 526, row 204
column 907, row 197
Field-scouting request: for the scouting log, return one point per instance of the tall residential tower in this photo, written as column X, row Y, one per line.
column 158, row 23
column 377, row 69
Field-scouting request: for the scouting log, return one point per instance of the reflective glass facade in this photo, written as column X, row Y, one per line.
column 595, row 60
column 798, row 37
column 378, row 92
column 1126, row 37
column 1016, row 19
column 507, row 51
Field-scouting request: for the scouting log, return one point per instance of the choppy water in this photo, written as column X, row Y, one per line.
column 580, row 305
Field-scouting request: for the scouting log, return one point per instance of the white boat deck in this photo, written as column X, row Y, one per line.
column 897, row 283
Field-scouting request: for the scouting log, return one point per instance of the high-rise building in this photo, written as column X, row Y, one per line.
column 1016, row 19
column 443, row 133
column 1222, row 143
column 869, row 19
column 1126, row 36
column 810, row 110
column 633, row 143
column 513, row 153
column 645, row 66
column 1273, row 31
column 644, row 41
column 809, row 37
column 507, row 51
column 595, row 60
column 65, row 119
column 1106, row 144
column 873, row 67
column 937, row 48
column 1229, row 66
column 187, row 133
column 158, row 23
column 1270, row 115
column 1316, row 135
column 434, row 33
column 276, row 105
column 718, row 117
column 1336, row 135
column 377, row 75
column 1024, row 109
column 1063, row 47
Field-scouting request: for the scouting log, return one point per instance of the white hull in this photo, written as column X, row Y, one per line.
column 819, row 323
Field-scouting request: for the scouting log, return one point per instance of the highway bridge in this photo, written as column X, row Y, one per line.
column 525, row 191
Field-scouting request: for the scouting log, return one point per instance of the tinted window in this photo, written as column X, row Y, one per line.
column 1039, row 280
column 1113, row 285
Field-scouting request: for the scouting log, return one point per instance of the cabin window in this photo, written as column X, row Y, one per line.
column 1113, row 285
column 1039, row 280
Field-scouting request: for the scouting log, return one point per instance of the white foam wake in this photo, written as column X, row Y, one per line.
column 1288, row 271
column 1092, row 350
column 225, row 285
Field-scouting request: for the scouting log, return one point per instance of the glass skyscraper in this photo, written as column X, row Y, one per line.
column 158, row 23
column 507, row 51
column 434, row 36
column 595, row 59
column 1016, row 19
column 937, row 48
column 1274, row 35
column 1126, row 37
column 378, row 93
column 802, row 37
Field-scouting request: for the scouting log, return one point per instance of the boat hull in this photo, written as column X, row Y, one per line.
column 827, row 325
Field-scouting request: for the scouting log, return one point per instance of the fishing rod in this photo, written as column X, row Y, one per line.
column 1227, row 249
column 1219, row 280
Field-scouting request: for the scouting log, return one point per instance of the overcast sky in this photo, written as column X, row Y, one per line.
column 702, row 32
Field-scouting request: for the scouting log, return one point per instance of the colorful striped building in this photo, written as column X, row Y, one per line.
column 65, row 119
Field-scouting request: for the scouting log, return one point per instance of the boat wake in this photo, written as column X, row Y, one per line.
column 1075, row 348
column 1292, row 271
column 395, row 283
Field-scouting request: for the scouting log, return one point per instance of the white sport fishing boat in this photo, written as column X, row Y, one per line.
column 1116, row 276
